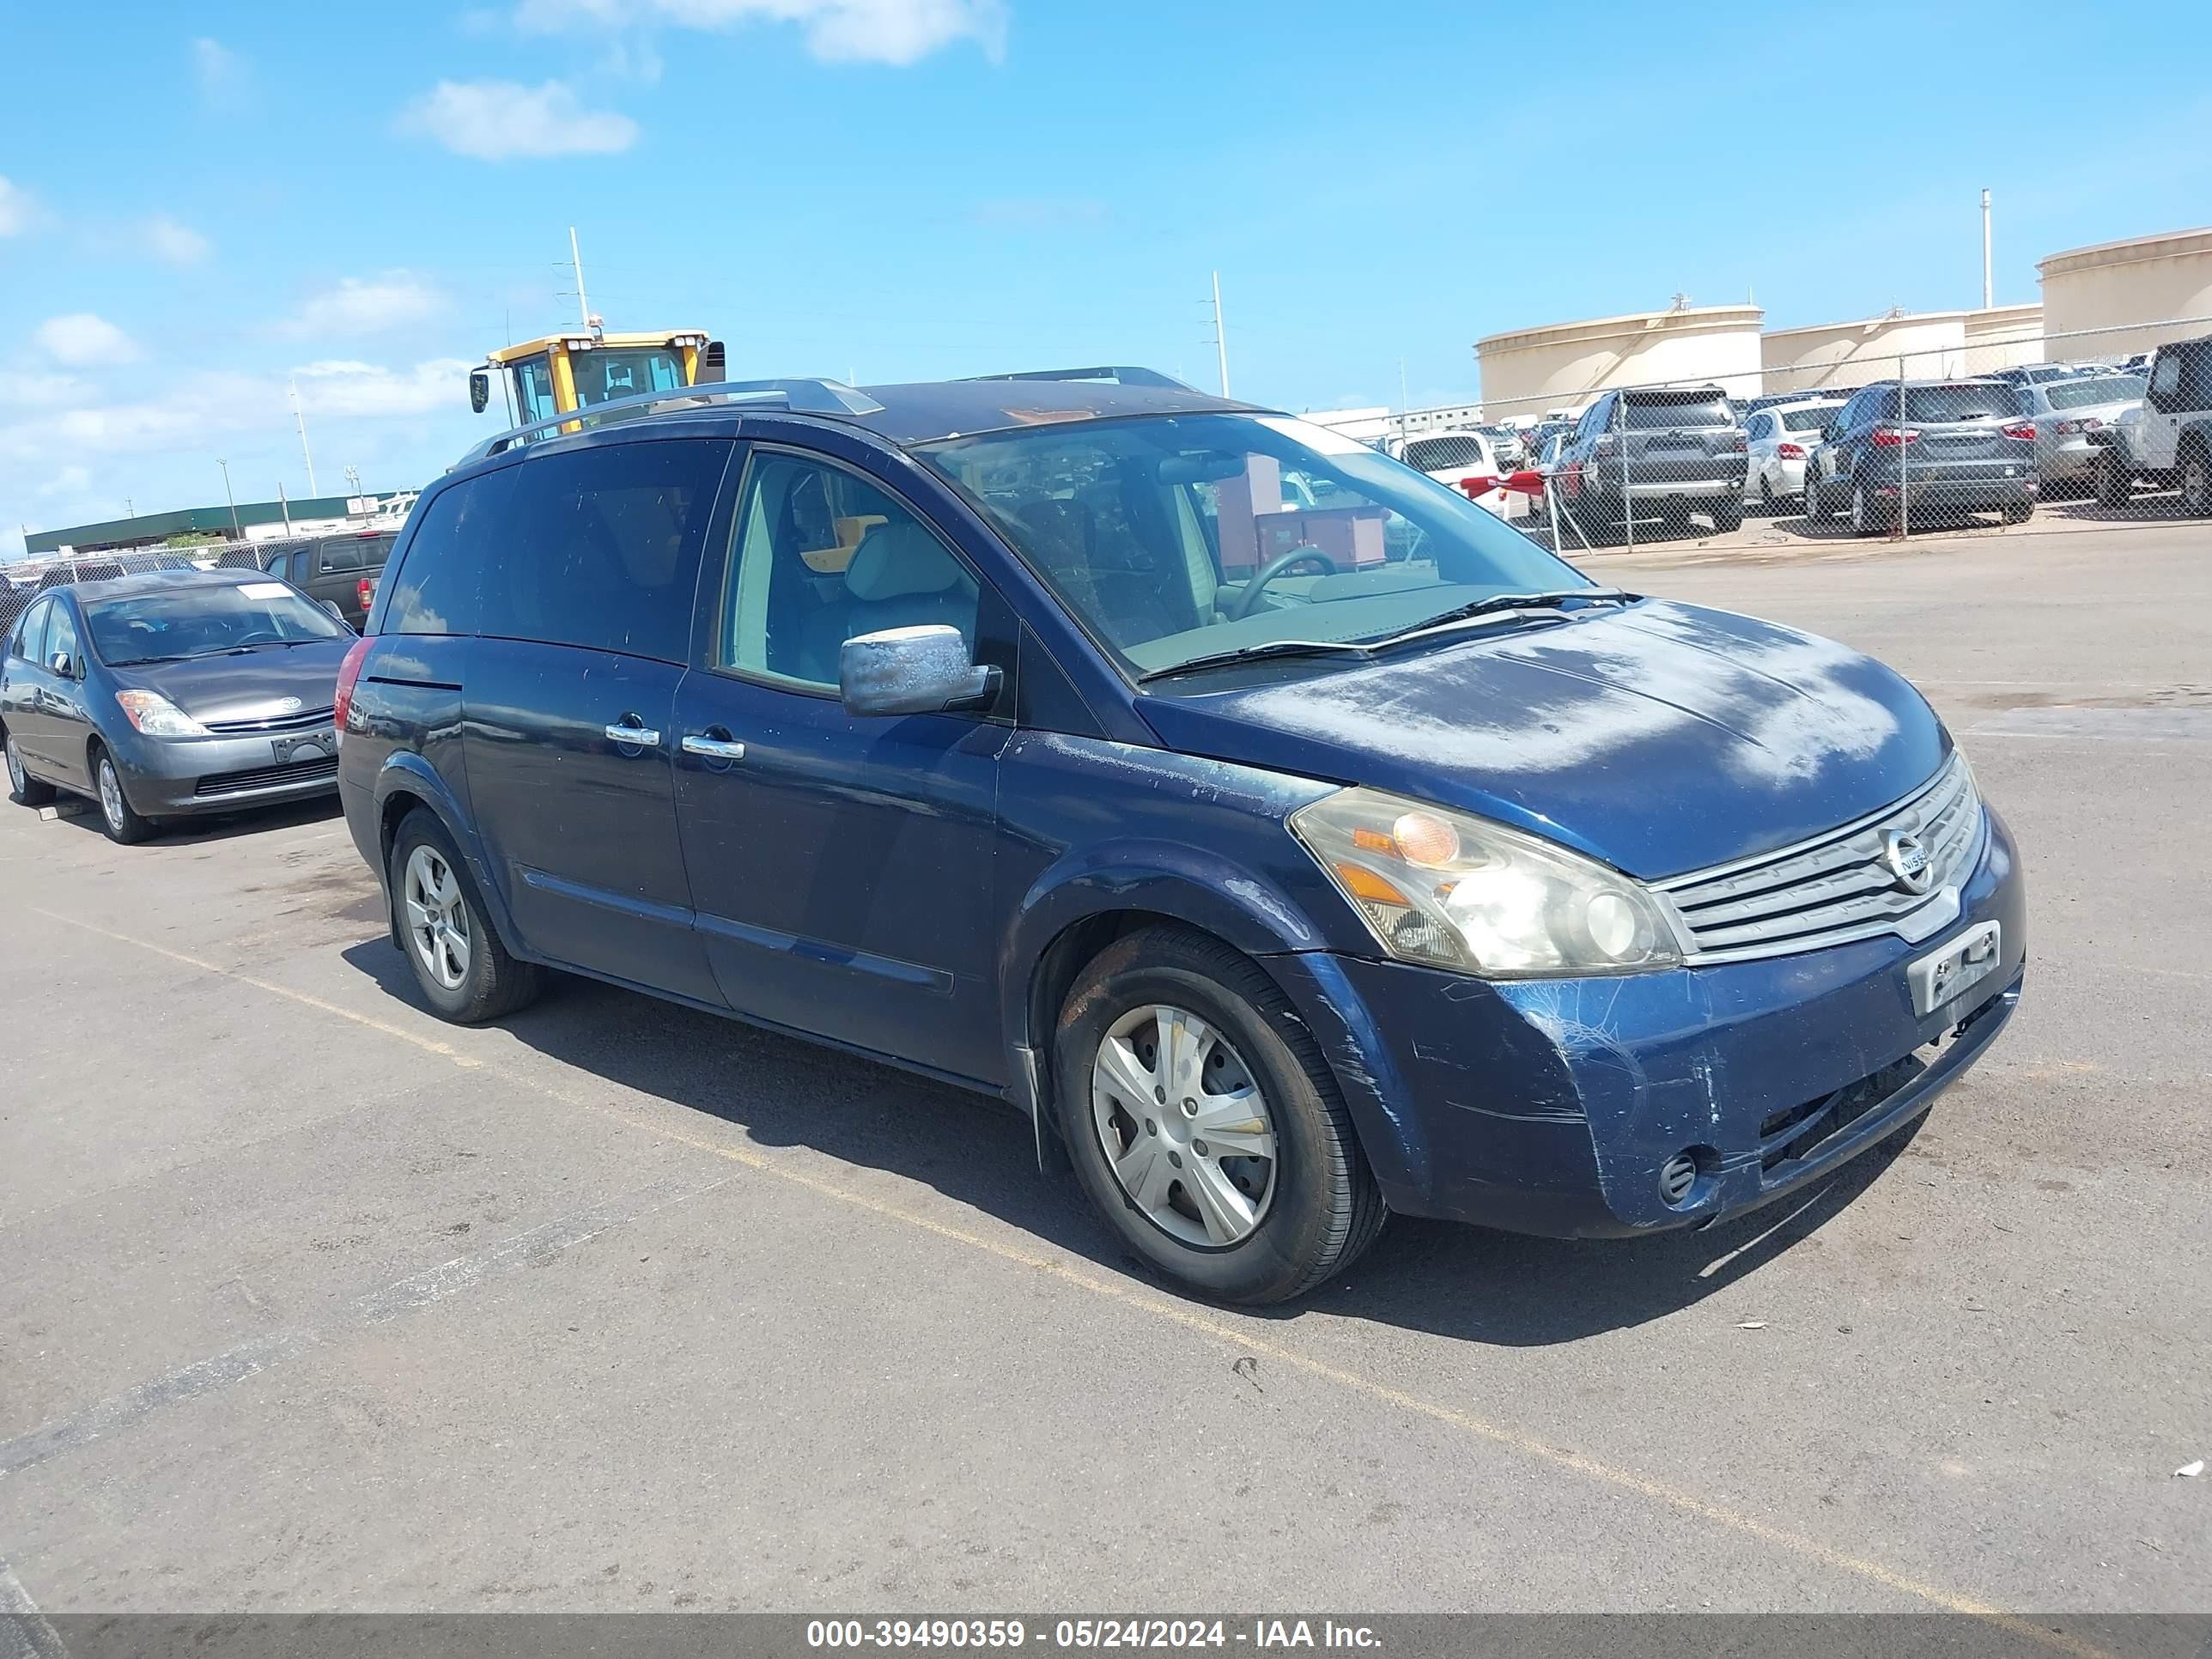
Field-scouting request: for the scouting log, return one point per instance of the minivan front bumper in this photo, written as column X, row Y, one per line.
column 1552, row 1106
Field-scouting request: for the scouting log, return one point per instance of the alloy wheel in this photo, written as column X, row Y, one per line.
column 1182, row 1121
column 16, row 774
column 110, row 792
column 437, row 916
column 2196, row 485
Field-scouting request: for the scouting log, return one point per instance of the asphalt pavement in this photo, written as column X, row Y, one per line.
column 311, row 1302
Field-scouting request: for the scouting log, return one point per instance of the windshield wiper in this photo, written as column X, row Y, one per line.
column 143, row 662
column 1255, row 652
column 1497, row 603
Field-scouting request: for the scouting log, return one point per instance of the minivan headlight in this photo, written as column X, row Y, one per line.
column 1449, row 890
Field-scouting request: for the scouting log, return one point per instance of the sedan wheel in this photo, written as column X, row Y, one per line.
column 117, row 817
column 437, row 919
column 1184, row 1126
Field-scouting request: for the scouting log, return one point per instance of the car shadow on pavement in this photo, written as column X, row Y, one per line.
column 1462, row 1282
column 84, row 816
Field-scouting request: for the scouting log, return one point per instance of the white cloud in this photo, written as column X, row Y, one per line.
column 83, row 341
column 359, row 306
column 338, row 387
column 17, row 209
column 836, row 31
column 173, row 243
column 71, row 480
column 219, row 72
column 502, row 120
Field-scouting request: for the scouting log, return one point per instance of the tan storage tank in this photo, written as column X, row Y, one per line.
column 1527, row 371
column 1845, row 355
column 2124, row 291
column 2004, row 337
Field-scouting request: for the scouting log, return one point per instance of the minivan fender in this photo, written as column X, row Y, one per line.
column 1086, row 898
column 406, row 773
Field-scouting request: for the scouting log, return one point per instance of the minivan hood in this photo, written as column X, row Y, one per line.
column 248, row 687
column 1660, row 737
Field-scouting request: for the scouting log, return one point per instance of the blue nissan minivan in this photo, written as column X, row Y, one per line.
column 1289, row 839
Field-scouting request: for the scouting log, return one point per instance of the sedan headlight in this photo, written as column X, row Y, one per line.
column 1451, row 890
column 157, row 717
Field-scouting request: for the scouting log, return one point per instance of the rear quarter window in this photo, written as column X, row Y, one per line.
column 457, row 534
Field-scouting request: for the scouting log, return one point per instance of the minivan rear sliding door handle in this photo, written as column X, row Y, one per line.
column 714, row 748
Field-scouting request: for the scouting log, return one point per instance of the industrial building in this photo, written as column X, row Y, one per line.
column 252, row 521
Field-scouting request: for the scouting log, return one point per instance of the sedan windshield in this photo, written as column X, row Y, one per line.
column 1173, row 537
column 205, row 622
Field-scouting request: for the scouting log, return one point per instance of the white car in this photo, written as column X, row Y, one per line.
column 1779, row 437
column 1454, row 457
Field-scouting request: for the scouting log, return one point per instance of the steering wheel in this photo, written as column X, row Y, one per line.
column 1303, row 553
column 259, row 636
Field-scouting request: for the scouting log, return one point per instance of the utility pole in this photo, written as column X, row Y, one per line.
column 300, row 415
column 1220, row 338
column 1990, row 293
column 285, row 507
column 236, row 530
column 576, row 262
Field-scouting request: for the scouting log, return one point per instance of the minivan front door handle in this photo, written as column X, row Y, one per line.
column 714, row 748
column 634, row 737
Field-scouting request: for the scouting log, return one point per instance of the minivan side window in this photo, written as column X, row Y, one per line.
column 602, row 546
column 460, row 531
column 819, row 555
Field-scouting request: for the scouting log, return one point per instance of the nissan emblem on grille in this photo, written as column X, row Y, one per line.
column 1906, row 859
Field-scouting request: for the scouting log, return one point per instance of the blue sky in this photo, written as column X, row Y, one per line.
column 205, row 202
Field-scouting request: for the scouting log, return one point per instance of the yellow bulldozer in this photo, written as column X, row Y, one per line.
column 559, row 373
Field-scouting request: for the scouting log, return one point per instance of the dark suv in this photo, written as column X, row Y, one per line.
column 1677, row 449
column 1276, row 829
column 1958, row 448
column 340, row 570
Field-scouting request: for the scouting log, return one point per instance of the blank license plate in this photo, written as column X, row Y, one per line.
column 1943, row 976
column 312, row 745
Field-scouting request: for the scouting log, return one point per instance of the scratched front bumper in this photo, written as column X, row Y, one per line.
column 1549, row 1106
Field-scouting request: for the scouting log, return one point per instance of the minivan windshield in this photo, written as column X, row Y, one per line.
column 205, row 622
column 1173, row 537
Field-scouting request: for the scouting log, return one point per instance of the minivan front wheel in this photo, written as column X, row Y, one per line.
column 1204, row 1124
column 463, row 969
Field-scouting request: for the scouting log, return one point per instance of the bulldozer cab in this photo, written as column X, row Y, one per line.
column 563, row 373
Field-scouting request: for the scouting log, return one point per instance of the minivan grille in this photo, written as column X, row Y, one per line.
column 1839, row 886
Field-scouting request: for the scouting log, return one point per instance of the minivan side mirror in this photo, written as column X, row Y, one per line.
column 922, row 670
column 479, row 390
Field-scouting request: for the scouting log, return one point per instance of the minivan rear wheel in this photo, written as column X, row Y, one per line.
column 463, row 969
column 1203, row 1123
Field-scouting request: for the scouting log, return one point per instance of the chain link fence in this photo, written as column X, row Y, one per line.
column 2074, row 430
column 24, row 580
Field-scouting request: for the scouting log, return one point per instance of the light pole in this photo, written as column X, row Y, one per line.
column 235, row 530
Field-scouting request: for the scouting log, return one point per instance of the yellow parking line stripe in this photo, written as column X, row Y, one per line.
column 1201, row 1320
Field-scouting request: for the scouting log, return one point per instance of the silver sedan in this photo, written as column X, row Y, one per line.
column 2065, row 413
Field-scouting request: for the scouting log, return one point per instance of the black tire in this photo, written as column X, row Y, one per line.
column 1867, row 517
column 1816, row 503
column 123, row 822
column 1325, row 1208
column 2197, row 481
column 1728, row 516
column 2019, row 512
column 2115, row 487
column 1767, row 504
column 495, row 983
column 22, row 788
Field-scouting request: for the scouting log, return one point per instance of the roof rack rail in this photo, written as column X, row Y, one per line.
column 801, row 397
column 1107, row 372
